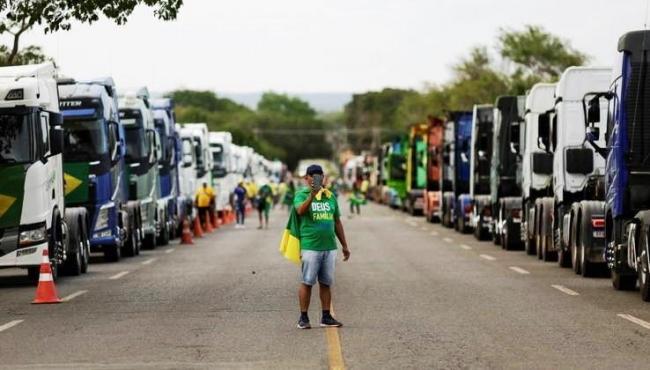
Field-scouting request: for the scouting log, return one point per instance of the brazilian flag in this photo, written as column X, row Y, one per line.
column 290, row 245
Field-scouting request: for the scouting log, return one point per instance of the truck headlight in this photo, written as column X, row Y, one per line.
column 34, row 235
column 102, row 219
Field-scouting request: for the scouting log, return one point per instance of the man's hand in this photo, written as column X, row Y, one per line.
column 346, row 253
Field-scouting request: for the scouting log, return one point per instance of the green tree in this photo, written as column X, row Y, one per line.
column 537, row 55
column 16, row 17
column 285, row 105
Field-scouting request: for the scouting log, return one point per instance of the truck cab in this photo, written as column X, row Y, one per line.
column 456, row 204
column 93, row 165
column 537, row 164
column 396, row 174
column 480, row 164
column 416, row 168
column 224, row 180
column 432, row 193
column 505, row 175
column 627, row 170
column 142, row 155
column 577, row 172
column 33, row 215
column 169, row 168
column 203, row 155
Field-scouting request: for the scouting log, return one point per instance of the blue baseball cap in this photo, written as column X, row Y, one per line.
column 314, row 169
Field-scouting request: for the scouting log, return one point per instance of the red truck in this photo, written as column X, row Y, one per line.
column 433, row 193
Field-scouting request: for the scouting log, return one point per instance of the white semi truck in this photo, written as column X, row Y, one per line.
column 224, row 178
column 188, row 172
column 200, row 133
column 33, row 216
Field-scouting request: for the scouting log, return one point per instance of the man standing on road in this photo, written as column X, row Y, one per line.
column 204, row 200
column 240, row 204
column 320, row 225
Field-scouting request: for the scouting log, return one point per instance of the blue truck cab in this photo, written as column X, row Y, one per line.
column 94, row 166
column 456, row 170
column 165, row 123
column 627, row 168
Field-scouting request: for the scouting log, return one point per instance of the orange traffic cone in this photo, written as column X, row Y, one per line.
column 186, row 236
column 198, row 232
column 46, row 291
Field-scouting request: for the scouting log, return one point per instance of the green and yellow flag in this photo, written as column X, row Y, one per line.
column 290, row 244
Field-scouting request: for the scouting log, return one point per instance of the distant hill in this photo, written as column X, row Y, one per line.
column 322, row 102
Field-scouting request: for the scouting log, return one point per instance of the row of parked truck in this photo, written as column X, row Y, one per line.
column 562, row 172
column 84, row 169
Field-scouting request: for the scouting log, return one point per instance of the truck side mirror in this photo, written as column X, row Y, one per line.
column 593, row 113
column 56, row 140
column 543, row 132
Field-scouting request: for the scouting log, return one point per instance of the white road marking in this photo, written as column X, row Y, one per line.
column 169, row 250
column 448, row 240
column 487, row 257
column 519, row 270
column 565, row 290
column 465, row 247
column 434, row 233
column 635, row 320
column 73, row 295
column 118, row 275
column 149, row 261
column 10, row 324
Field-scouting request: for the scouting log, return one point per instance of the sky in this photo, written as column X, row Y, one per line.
column 322, row 46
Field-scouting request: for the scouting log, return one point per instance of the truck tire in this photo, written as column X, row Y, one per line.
column 55, row 244
column 547, row 236
column 508, row 240
column 149, row 241
column 163, row 239
column 131, row 243
column 73, row 263
column 644, row 265
column 85, row 260
column 33, row 274
column 112, row 253
column 529, row 242
column 587, row 268
column 538, row 231
column 573, row 243
column 563, row 254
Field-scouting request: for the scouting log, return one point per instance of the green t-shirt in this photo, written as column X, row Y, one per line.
column 317, row 225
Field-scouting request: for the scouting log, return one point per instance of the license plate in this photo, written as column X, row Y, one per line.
column 599, row 233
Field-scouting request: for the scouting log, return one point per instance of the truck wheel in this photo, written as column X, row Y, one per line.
column 563, row 254
column 508, row 241
column 55, row 245
column 163, row 239
column 85, row 247
column 547, row 254
column 587, row 268
column 644, row 273
column 496, row 236
column 574, row 240
column 529, row 243
column 72, row 265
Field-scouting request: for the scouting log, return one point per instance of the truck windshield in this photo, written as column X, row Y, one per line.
column 16, row 143
column 166, row 143
column 136, row 148
column 198, row 150
column 85, row 139
column 397, row 167
column 217, row 154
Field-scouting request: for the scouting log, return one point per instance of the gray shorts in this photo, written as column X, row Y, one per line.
column 318, row 265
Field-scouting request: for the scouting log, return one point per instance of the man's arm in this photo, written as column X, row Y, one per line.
column 340, row 234
column 304, row 207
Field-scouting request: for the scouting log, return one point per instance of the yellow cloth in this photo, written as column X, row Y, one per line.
column 204, row 196
column 364, row 186
column 322, row 191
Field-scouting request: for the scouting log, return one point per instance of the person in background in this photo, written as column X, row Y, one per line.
column 365, row 184
column 203, row 202
column 264, row 201
column 289, row 194
column 276, row 193
column 240, row 204
column 356, row 200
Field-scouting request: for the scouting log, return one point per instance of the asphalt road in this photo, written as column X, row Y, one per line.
column 413, row 295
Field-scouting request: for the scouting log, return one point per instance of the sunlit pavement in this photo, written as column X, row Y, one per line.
column 413, row 295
